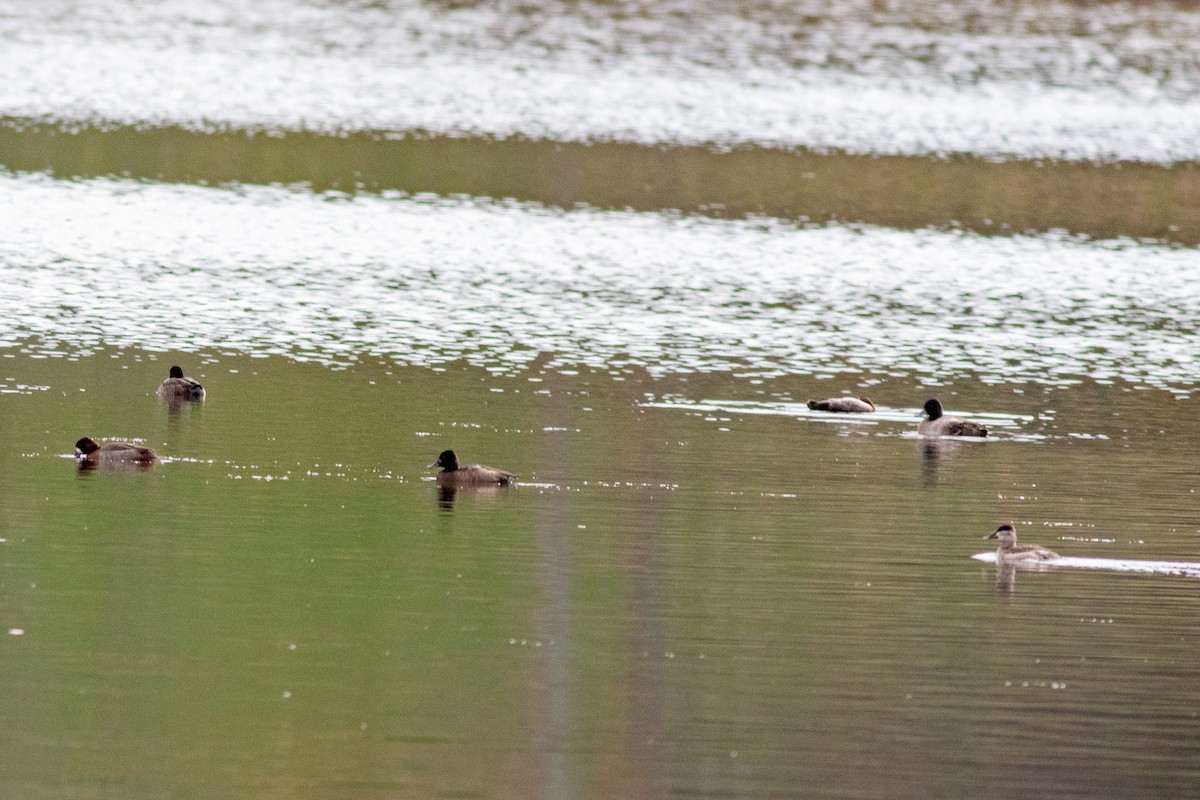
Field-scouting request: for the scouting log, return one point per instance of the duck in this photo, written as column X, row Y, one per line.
column 177, row 387
column 936, row 423
column 89, row 453
column 843, row 405
column 457, row 475
column 1010, row 551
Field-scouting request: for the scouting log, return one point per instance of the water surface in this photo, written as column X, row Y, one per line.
column 672, row 603
column 613, row 249
column 1044, row 80
column 334, row 278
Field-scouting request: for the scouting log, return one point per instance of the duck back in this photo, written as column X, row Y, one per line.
column 179, row 387
column 843, row 405
column 951, row 426
column 475, row 475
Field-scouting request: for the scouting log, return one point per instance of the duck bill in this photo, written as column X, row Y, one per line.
column 434, row 465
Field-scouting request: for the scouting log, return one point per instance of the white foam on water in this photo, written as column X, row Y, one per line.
column 1189, row 568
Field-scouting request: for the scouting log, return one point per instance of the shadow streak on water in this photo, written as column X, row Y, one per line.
column 1098, row 200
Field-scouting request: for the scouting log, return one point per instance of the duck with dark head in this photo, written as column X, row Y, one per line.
column 937, row 423
column 457, row 475
column 1009, row 551
column 176, row 388
column 90, row 454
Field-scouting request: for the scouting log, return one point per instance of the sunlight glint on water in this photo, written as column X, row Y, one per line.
column 432, row 280
column 700, row 588
column 1032, row 80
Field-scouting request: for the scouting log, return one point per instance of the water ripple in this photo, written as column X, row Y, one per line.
column 427, row 280
column 1115, row 81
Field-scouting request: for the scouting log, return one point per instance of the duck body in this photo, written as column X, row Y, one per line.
column 936, row 423
column 1010, row 552
column 178, row 387
column 843, row 405
column 455, row 475
column 89, row 452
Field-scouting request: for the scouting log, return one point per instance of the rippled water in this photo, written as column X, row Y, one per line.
column 1114, row 81
column 700, row 588
column 673, row 602
column 420, row 280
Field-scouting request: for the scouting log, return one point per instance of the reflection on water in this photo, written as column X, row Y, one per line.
column 340, row 279
column 84, row 466
column 447, row 495
column 688, row 596
column 767, row 602
column 1113, row 81
column 940, row 453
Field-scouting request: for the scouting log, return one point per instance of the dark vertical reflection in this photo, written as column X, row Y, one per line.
column 1006, row 578
column 550, row 685
column 646, row 558
column 649, row 638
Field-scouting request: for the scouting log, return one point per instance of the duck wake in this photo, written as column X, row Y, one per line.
column 1188, row 568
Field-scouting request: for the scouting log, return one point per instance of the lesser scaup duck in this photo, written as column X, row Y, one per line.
column 936, row 423
column 1009, row 550
column 457, row 475
column 177, row 387
column 89, row 452
column 843, row 405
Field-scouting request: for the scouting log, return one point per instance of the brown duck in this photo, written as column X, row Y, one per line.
column 455, row 475
column 177, row 387
column 89, row 452
column 843, row 405
column 936, row 423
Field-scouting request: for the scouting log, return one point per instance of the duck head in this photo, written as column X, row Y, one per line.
column 447, row 460
column 1005, row 533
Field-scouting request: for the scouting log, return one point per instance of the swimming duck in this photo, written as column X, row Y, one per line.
column 456, row 475
column 88, row 452
column 843, row 405
column 936, row 423
column 1009, row 550
column 177, row 387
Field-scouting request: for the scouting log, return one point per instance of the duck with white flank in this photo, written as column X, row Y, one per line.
column 1009, row 551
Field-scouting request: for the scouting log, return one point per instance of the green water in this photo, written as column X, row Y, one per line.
column 672, row 603
column 1101, row 201
column 611, row 248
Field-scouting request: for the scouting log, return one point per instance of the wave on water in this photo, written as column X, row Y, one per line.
column 170, row 267
column 1190, row 569
column 1011, row 427
column 1053, row 81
